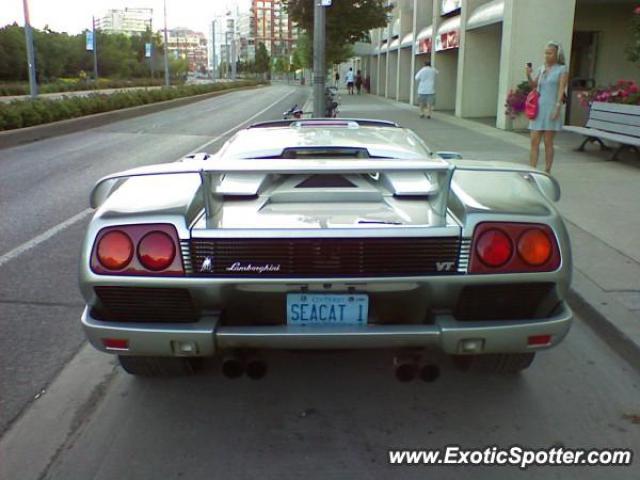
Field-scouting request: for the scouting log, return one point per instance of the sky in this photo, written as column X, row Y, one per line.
column 73, row 16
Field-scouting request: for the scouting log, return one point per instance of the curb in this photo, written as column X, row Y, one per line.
column 61, row 411
column 616, row 325
column 20, row 136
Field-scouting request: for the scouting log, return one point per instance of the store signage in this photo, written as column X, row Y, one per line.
column 448, row 40
column 448, row 6
column 425, row 45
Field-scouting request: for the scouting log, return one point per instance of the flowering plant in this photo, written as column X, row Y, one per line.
column 624, row 91
column 516, row 100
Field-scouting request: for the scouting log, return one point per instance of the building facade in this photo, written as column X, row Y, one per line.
column 481, row 47
column 129, row 21
column 189, row 45
column 273, row 27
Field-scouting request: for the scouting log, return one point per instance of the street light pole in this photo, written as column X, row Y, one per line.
column 213, row 50
column 95, row 50
column 233, row 51
column 166, row 48
column 319, row 70
column 31, row 61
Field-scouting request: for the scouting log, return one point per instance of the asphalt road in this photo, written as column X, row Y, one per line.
column 46, row 183
column 318, row 415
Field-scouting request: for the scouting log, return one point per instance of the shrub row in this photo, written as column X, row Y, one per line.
column 74, row 85
column 26, row 113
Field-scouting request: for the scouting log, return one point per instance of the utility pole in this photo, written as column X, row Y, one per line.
column 166, row 48
column 95, row 50
column 31, row 61
column 319, row 70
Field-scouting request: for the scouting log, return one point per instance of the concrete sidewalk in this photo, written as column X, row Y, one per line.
column 600, row 203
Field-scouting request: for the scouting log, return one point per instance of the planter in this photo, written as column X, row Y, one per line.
column 520, row 123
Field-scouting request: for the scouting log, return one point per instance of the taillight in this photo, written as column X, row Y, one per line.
column 156, row 251
column 503, row 247
column 115, row 250
column 494, row 247
column 534, row 247
column 143, row 249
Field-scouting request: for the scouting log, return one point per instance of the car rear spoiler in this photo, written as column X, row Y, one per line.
column 438, row 172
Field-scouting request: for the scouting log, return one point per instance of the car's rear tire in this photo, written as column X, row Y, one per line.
column 502, row 363
column 158, row 366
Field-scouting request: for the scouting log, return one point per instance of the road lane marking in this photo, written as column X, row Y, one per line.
column 224, row 134
column 34, row 242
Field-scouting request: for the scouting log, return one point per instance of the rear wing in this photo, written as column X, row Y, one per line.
column 436, row 176
column 324, row 122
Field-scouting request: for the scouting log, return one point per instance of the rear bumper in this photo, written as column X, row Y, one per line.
column 206, row 337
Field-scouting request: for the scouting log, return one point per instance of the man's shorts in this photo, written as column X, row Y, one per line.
column 349, row 84
column 427, row 99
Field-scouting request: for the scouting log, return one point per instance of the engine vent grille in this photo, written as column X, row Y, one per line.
column 325, row 257
column 142, row 304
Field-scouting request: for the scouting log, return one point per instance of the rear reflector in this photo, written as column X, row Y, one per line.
column 538, row 340
column 116, row 343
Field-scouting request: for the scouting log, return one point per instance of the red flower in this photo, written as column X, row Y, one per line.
column 637, row 10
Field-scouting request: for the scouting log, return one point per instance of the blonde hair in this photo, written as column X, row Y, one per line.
column 559, row 51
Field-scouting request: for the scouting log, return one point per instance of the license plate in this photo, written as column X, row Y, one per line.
column 327, row 309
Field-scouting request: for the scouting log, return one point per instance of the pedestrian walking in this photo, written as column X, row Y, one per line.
column 350, row 80
column 358, row 81
column 426, row 78
column 367, row 83
column 337, row 84
column 551, row 82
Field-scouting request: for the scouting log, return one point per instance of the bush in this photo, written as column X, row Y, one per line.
column 75, row 84
column 26, row 113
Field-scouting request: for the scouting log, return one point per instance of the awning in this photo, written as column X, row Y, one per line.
column 384, row 47
column 487, row 14
column 424, row 40
column 395, row 44
column 448, row 34
column 407, row 40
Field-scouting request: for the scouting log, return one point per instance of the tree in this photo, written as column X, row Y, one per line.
column 633, row 49
column 263, row 62
column 347, row 23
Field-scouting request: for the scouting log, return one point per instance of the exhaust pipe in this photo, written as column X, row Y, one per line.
column 429, row 372
column 232, row 366
column 406, row 368
column 256, row 369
